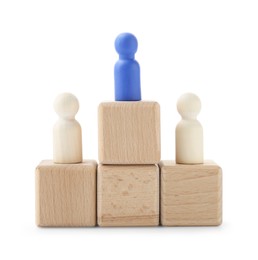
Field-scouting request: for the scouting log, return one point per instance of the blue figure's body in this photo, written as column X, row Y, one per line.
column 127, row 69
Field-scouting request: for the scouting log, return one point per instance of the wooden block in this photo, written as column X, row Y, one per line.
column 128, row 195
column 66, row 194
column 191, row 195
column 129, row 132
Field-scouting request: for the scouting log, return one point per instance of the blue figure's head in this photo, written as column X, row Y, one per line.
column 126, row 45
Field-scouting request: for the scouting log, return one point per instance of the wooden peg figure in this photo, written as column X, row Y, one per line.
column 189, row 133
column 67, row 136
column 127, row 69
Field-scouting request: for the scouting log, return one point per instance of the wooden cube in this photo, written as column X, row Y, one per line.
column 128, row 195
column 66, row 194
column 129, row 132
column 191, row 195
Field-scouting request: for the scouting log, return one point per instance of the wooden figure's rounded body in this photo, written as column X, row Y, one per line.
column 189, row 142
column 67, row 142
column 127, row 80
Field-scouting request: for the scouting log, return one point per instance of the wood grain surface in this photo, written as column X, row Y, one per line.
column 128, row 195
column 66, row 194
column 191, row 195
column 129, row 132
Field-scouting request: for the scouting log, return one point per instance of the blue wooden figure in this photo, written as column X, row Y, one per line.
column 127, row 69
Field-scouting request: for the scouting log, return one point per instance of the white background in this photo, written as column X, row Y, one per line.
column 206, row 47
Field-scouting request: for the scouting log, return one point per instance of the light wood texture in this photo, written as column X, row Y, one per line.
column 129, row 132
column 189, row 133
column 191, row 195
column 67, row 136
column 66, row 194
column 128, row 195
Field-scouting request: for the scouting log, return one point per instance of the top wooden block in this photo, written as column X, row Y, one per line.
column 129, row 132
